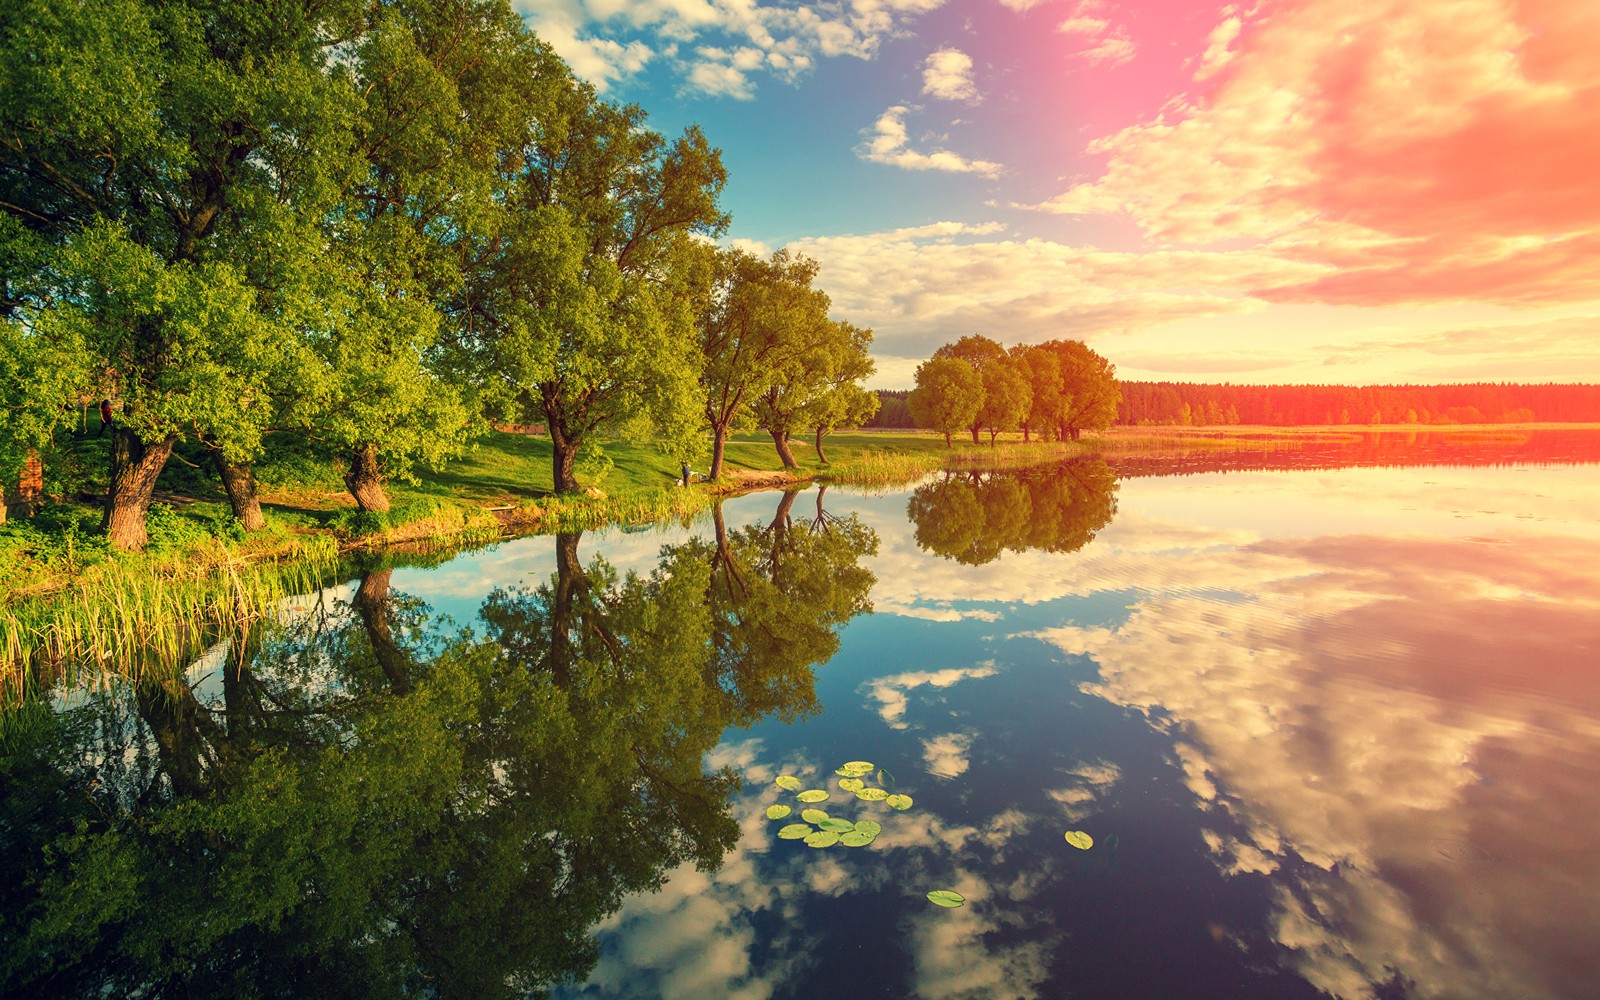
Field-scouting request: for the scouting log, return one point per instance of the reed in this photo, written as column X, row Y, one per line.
column 125, row 622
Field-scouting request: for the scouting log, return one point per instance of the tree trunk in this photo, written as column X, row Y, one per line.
column 719, row 444
column 364, row 479
column 563, row 459
column 975, row 428
column 1076, row 431
column 371, row 604
column 992, row 433
column 781, row 442
column 821, row 433
column 569, row 581
column 135, row 467
column 1024, row 433
column 240, row 484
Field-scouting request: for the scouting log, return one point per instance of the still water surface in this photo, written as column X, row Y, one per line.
column 1332, row 721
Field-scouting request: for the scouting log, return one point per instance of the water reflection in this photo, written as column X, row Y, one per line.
column 973, row 517
column 375, row 805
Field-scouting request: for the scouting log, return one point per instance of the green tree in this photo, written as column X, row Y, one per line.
column 1044, row 390
column 1007, row 396
column 844, row 401
column 1089, row 389
column 977, row 351
column 149, row 152
column 603, row 258
column 947, row 397
column 761, row 319
column 974, row 518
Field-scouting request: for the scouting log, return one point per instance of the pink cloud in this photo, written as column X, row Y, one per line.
column 1430, row 150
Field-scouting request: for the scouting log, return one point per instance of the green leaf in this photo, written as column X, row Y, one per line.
column 1082, row 841
column 869, row 827
column 855, row 838
column 796, row 831
column 822, row 838
column 813, row 815
column 884, row 777
column 898, row 802
column 790, row 782
column 872, row 794
column 946, row 897
column 814, row 795
column 852, row 784
column 837, row 825
column 854, row 769
column 777, row 812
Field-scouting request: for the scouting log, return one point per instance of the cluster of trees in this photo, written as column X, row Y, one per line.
column 366, row 796
column 1196, row 404
column 374, row 226
column 975, row 517
column 1059, row 388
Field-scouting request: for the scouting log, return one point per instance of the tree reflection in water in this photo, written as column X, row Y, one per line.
column 371, row 806
column 974, row 517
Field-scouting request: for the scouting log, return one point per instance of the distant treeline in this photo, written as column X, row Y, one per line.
column 1200, row 404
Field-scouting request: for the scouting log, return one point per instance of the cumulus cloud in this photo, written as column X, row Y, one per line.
column 888, row 142
column 1423, row 151
column 947, row 76
column 1105, row 42
column 609, row 40
column 892, row 693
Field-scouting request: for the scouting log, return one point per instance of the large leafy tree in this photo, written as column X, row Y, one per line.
column 974, row 518
column 586, row 312
column 146, row 149
column 797, row 399
column 844, row 401
column 978, row 351
column 947, row 397
column 1044, row 384
column 1007, row 396
column 761, row 324
column 1089, row 388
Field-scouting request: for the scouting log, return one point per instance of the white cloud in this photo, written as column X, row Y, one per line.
column 892, row 692
column 1105, row 42
column 947, row 76
column 888, row 143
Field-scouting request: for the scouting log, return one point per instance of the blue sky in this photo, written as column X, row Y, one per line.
column 1289, row 191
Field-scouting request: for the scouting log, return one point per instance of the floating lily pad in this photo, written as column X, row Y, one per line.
column 856, row 838
column 796, row 831
column 1082, row 841
column 852, row 784
column 790, row 782
column 837, row 825
column 872, row 794
column 946, row 897
column 869, row 827
column 813, row 815
column 898, row 802
column 854, row 769
column 822, row 838
column 884, row 777
column 777, row 812
column 814, row 795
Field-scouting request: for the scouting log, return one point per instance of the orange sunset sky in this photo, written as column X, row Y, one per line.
column 1280, row 191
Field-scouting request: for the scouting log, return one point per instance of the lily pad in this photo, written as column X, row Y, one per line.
column 884, row 777
column 870, row 827
column 898, row 802
column 854, row 768
column 790, row 782
column 778, row 812
column 856, row 838
column 852, row 784
column 837, row 825
column 872, row 794
column 796, row 831
column 814, row 795
column 822, row 838
column 946, row 897
column 813, row 815
column 1082, row 841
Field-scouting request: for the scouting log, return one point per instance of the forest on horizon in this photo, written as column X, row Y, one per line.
column 1201, row 404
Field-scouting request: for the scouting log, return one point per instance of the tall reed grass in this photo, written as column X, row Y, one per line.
column 128, row 622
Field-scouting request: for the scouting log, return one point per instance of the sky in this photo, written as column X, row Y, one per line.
column 1302, row 191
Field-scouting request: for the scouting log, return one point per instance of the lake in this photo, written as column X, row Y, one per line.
column 1322, row 722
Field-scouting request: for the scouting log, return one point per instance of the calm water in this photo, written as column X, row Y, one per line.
column 1332, row 719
